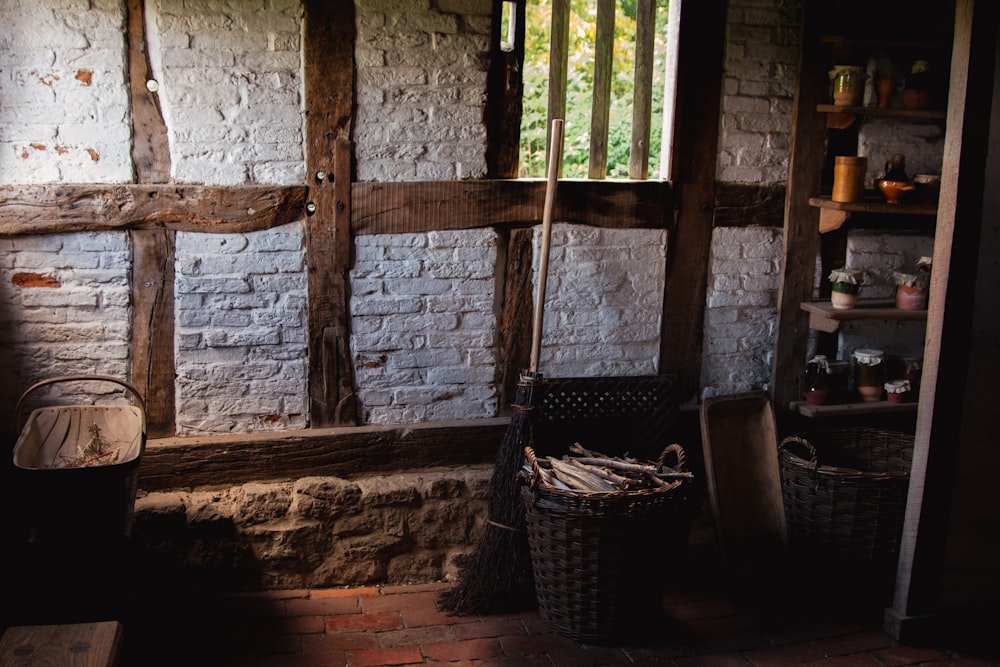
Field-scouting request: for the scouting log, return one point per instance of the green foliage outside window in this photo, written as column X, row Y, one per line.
column 580, row 82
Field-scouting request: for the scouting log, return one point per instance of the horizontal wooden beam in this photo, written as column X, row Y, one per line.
column 377, row 208
column 62, row 208
column 381, row 208
column 229, row 460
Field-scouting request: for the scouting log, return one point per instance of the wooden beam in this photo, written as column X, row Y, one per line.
column 230, row 460
column 801, row 225
column 328, row 50
column 558, row 62
column 600, row 111
column 391, row 208
column 642, row 109
column 505, row 86
column 63, row 208
column 152, row 367
column 695, row 141
column 150, row 150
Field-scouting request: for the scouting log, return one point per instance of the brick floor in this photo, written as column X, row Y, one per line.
column 401, row 625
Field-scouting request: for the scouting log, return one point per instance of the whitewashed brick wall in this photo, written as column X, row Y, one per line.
column 64, row 310
column 760, row 63
column 230, row 77
column 64, row 113
column 604, row 301
column 741, row 303
column 424, row 325
column 241, row 331
column 920, row 142
column 421, row 89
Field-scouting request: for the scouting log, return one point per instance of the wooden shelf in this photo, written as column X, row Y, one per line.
column 807, row 409
column 833, row 214
column 891, row 112
column 824, row 317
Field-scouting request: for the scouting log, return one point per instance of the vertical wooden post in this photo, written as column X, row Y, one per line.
column 152, row 338
column 328, row 51
column 601, row 102
column 558, row 61
column 702, row 31
column 642, row 108
column 505, row 87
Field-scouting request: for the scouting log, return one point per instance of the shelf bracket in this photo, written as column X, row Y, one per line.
column 825, row 324
column 832, row 219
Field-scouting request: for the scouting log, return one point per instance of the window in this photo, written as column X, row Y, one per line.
column 605, row 67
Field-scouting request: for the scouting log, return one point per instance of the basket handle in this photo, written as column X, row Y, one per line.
column 677, row 451
column 794, row 440
column 81, row 378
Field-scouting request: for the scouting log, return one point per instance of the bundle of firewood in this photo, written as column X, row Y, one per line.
column 587, row 470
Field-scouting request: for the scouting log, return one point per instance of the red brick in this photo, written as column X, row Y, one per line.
column 342, row 641
column 368, row 591
column 533, row 644
column 300, row 625
column 468, row 649
column 405, row 655
column 416, row 600
column 489, row 628
column 416, row 636
column 363, row 622
column 434, row 587
column 416, row 616
column 332, row 606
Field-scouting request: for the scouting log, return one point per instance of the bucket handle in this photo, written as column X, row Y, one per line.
column 81, row 378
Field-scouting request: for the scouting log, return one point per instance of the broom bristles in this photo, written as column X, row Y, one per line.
column 497, row 576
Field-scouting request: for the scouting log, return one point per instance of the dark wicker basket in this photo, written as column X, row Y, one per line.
column 844, row 492
column 600, row 559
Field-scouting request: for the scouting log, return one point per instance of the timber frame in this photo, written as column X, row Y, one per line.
column 334, row 208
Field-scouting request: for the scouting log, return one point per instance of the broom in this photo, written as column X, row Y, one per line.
column 497, row 576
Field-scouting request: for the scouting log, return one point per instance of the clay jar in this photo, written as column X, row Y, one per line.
column 911, row 290
column 886, row 88
column 916, row 99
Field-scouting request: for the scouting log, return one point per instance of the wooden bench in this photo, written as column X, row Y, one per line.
column 78, row 644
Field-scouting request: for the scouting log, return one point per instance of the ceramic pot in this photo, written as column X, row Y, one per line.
column 915, row 99
column 843, row 301
column 895, row 191
column 911, row 298
column 886, row 89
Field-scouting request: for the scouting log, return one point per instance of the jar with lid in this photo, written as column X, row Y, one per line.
column 898, row 391
column 838, row 381
column 869, row 373
column 814, row 380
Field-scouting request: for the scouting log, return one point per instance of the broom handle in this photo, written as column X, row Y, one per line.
column 555, row 160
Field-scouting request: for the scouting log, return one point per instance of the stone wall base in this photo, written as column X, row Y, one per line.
column 311, row 532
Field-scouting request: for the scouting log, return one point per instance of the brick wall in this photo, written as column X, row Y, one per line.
column 241, row 357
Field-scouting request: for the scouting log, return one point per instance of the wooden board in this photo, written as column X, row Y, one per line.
column 78, row 644
column 741, row 465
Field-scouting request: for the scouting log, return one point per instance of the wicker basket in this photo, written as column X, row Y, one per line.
column 600, row 559
column 844, row 492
